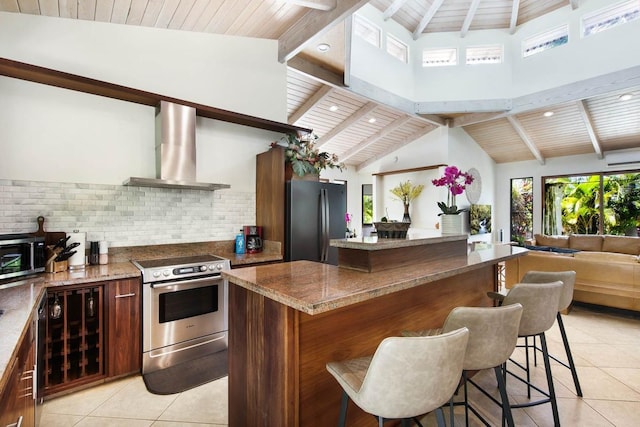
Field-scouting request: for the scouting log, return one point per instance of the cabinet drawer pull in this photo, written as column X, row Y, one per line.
column 126, row 295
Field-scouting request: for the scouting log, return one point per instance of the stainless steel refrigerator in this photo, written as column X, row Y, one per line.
column 314, row 214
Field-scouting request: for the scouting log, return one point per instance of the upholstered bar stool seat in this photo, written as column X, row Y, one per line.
column 568, row 279
column 539, row 307
column 493, row 334
column 406, row 377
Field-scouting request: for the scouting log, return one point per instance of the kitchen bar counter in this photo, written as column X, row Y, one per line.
column 287, row 320
column 314, row 288
column 375, row 243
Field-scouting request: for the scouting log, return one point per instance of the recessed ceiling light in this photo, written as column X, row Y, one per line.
column 324, row 47
column 548, row 113
column 372, row 120
column 625, row 97
column 333, row 108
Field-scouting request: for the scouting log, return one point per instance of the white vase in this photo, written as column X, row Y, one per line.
column 451, row 224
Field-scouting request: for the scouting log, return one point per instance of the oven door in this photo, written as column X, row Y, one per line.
column 176, row 312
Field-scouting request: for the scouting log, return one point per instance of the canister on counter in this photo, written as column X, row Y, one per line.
column 103, row 249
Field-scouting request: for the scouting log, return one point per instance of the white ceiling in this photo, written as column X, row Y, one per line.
column 592, row 124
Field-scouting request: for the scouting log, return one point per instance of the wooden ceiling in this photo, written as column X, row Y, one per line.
column 361, row 130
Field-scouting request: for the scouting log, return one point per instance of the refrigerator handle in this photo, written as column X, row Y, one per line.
column 324, row 218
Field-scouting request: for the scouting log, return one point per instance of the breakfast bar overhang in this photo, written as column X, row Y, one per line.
column 287, row 320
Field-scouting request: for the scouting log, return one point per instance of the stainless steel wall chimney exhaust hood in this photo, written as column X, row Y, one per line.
column 175, row 151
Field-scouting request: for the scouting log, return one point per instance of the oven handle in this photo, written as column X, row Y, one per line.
column 186, row 282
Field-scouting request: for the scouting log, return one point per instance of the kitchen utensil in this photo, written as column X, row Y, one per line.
column 56, row 308
column 40, row 232
column 61, row 243
column 69, row 248
column 64, row 256
column 91, row 308
column 78, row 260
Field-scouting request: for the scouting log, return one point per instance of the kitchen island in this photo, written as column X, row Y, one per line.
column 287, row 320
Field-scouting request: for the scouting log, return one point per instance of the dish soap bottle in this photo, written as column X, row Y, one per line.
column 240, row 243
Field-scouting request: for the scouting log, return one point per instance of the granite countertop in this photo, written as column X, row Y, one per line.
column 314, row 288
column 18, row 303
column 375, row 243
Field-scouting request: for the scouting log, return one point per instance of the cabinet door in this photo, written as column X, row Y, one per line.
column 124, row 305
column 16, row 400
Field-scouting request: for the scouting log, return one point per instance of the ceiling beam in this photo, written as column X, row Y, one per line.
column 392, row 9
column 397, row 123
column 408, row 140
column 574, row 4
column 313, row 24
column 314, row 4
column 525, row 138
column 515, row 9
column 362, row 112
column 427, row 18
column 310, row 103
column 469, row 18
column 473, row 118
column 382, row 96
column 316, row 72
column 588, row 122
column 470, row 106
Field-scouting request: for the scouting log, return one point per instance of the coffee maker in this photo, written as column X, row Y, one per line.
column 253, row 238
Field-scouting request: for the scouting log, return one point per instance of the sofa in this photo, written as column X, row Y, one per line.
column 607, row 267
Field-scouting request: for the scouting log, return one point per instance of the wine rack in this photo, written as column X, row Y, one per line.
column 75, row 337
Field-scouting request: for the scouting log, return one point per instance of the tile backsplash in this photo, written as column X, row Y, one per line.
column 128, row 216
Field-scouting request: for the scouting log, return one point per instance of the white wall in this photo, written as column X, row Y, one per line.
column 234, row 73
column 597, row 55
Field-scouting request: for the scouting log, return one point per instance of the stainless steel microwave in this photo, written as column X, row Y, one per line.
column 21, row 255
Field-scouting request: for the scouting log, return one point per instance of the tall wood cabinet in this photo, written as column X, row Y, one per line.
column 270, row 194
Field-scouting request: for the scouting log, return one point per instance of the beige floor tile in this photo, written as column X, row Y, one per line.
column 85, row 401
column 112, row 422
column 204, row 404
column 606, row 355
column 572, row 412
column 59, row 420
column 134, row 401
column 621, row 414
column 182, row 424
column 627, row 376
column 598, row 384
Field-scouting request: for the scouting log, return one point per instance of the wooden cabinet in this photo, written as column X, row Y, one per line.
column 74, row 337
column 270, row 194
column 17, row 405
column 97, row 336
column 124, row 337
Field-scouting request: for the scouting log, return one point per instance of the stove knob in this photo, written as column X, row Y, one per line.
column 203, row 268
column 212, row 267
column 219, row 266
column 156, row 274
column 166, row 273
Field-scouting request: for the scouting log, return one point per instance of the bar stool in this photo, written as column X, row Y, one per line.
column 493, row 334
column 568, row 279
column 405, row 378
column 539, row 307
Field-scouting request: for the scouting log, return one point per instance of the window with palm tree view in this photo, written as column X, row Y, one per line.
column 521, row 209
column 599, row 203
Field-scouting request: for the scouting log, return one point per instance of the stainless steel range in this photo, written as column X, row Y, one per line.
column 184, row 309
